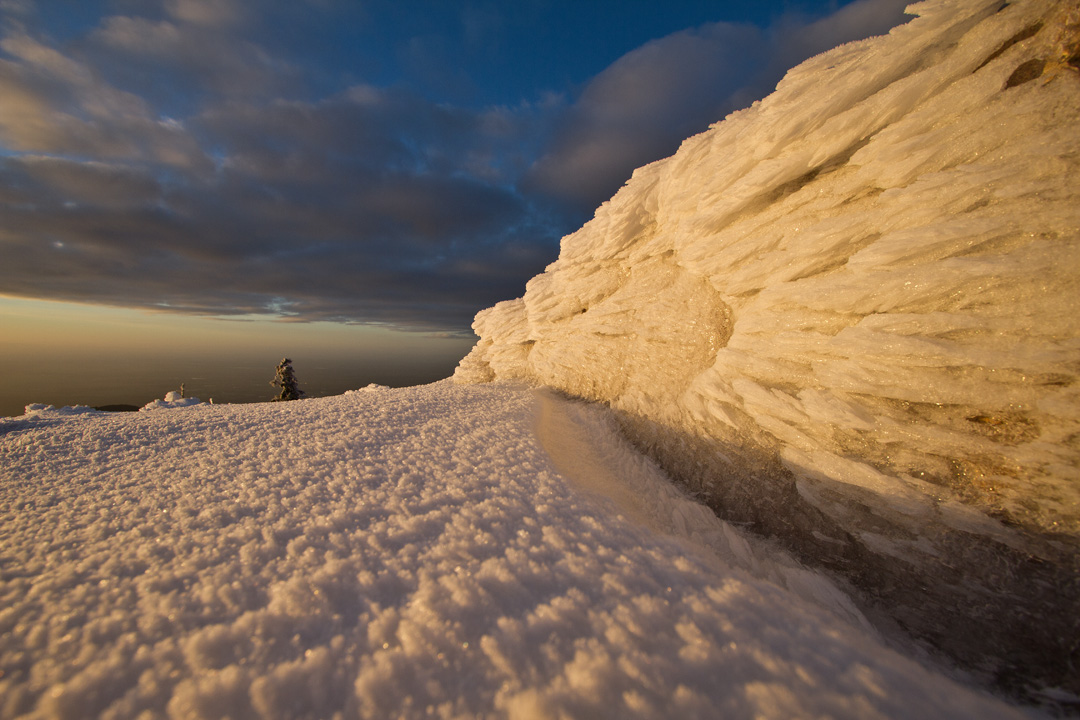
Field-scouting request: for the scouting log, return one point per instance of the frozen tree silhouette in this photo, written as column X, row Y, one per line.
column 286, row 380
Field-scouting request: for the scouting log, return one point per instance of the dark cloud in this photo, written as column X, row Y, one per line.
column 53, row 103
column 195, row 57
column 166, row 159
column 355, row 208
column 57, row 181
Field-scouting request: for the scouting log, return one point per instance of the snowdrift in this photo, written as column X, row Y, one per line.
column 847, row 317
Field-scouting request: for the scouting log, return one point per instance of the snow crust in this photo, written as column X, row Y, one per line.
column 847, row 317
column 418, row 552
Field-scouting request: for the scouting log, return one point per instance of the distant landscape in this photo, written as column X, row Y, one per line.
column 122, row 385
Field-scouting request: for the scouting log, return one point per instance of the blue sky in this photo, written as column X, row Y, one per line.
column 376, row 163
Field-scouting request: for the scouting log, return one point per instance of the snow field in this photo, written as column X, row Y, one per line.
column 394, row 553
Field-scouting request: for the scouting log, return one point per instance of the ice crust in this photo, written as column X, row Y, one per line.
column 408, row 553
column 848, row 317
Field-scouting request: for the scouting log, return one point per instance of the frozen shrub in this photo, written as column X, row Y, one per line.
column 286, row 380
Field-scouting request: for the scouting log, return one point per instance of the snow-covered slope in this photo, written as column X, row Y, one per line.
column 403, row 554
column 848, row 316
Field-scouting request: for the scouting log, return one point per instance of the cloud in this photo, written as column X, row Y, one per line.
column 855, row 21
column 56, row 104
column 214, row 13
column 17, row 7
column 353, row 208
column 196, row 53
column 643, row 105
column 639, row 108
column 58, row 182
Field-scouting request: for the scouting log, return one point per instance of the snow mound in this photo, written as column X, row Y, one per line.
column 846, row 318
column 41, row 410
column 368, row 388
column 173, row 399
column 396, row 553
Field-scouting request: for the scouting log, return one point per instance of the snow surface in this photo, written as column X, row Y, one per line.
column 438, row 551
column 848, row 317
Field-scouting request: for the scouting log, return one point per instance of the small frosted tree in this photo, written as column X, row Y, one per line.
column 286, row 380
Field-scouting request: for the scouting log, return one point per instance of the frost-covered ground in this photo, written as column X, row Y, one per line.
column 445, row 551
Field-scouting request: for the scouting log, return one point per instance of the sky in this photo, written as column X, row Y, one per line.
column 339, row 180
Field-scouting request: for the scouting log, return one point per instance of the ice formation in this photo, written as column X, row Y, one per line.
column 848, row 317
column 443, row 551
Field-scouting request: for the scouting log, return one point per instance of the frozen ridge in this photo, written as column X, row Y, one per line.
column 847, row 317
column 405, row 553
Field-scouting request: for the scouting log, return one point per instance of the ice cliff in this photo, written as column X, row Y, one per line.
column 848, row 318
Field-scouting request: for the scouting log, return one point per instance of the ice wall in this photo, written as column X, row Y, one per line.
column 847, row 316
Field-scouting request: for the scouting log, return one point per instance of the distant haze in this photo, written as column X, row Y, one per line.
column 138, row 380
column 65, row 354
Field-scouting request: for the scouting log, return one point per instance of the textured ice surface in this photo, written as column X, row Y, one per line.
column 848, row 316
column 405, row 553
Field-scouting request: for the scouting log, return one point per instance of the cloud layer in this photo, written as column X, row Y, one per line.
column 171, row 159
